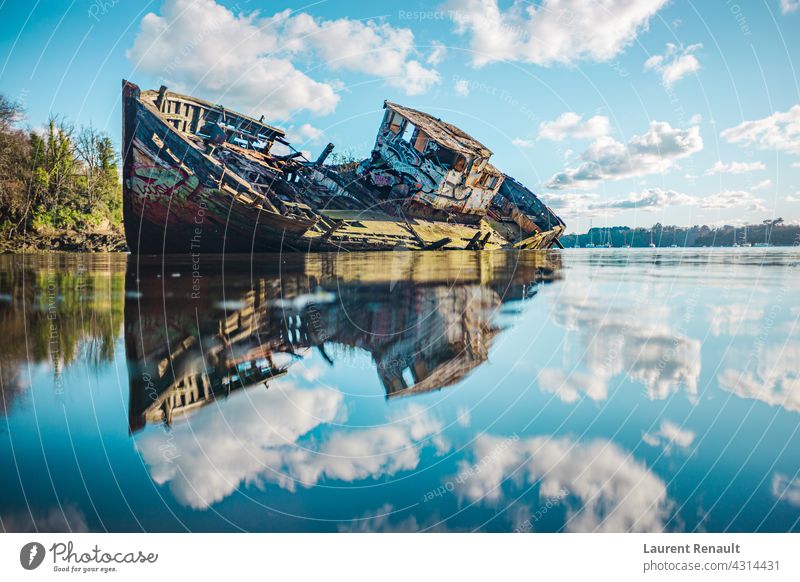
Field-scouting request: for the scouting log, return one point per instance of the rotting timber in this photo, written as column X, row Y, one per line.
column 199, row 178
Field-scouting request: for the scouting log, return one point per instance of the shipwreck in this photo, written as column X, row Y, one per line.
column 200, row 178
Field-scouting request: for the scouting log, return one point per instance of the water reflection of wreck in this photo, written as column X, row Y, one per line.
column 427, row 321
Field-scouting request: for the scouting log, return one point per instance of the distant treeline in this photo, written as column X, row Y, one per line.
column 773, row 232
column 58, row 178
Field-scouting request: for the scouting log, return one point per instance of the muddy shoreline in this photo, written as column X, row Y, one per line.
column 65, row 241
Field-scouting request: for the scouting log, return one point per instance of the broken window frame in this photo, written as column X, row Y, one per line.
column 420, row 141
column 489, row 181
column 450, row 161
column 408, row 133
column 395, row 120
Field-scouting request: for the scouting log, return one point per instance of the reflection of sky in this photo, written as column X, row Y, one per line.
column 624, row 397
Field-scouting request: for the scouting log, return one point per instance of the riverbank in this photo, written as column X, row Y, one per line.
column 65, row 241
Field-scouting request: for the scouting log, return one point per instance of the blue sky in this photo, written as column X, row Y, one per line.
column 616, row 113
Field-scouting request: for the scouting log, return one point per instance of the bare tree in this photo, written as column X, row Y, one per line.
column 87, row 146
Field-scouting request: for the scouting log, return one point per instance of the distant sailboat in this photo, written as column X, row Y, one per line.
column 744, row 238
column 590, row 244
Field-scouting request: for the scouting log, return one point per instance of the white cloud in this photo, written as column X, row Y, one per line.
column 202, row 47
column 695, row 119
column 793, row 197
column 670, row 436
column 523, row 143
column 378, row 49
column 675, row 63
column 591, row 204
column 437, row 54
column 788, row 6
column 733, row 199
column 571, row 125
column 248, row 61
column 786, row 489
column 779, row 131
column 461, row 88
column 305, row 134
column 414, row 79
column 607, row 490
column 650, row 199
column 763, row 185
column 256, row 437
column 734, row 167
column 655, row 151
column 555, row 31
column 570, row 204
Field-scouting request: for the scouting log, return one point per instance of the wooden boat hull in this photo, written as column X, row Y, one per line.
column 176, row 200
column 179, row 200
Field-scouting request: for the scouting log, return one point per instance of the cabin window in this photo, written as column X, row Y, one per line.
column 489, row 181
column 395, row 122
column 408, row 132
column 421, row 142
column 449, row 159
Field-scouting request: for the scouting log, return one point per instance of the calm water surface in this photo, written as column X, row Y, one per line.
column 603, row 390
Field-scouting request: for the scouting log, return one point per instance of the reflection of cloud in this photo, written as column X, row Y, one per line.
column 735, row 319
column 255, row 437
column 670, row 435
column 383, row 520
column 607, row 489
column 786, row 489
column 67, row 518
column 206, row 458
column 570, row 388
column 775, row 380
column 620, row 341
column 464, row 416
column 363, row 453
